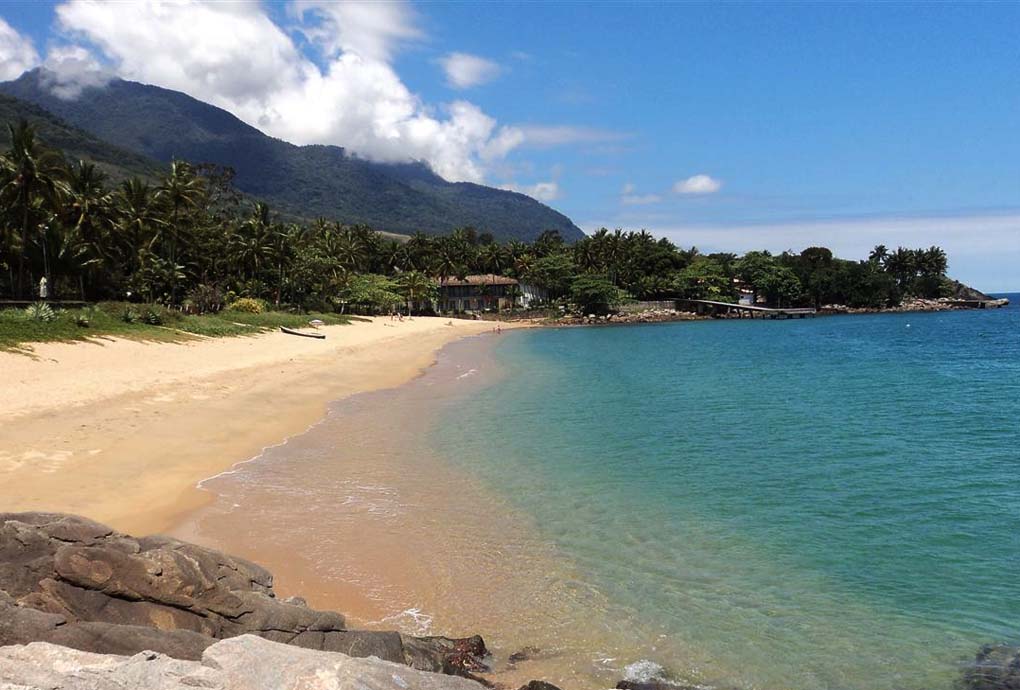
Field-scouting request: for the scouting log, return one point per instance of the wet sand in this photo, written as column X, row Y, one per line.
column 361, row 514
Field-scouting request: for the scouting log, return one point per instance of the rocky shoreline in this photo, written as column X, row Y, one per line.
column 916, row 305
column 665, row 315
column 83, row 607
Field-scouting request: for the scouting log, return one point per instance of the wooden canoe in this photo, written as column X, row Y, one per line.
column 291, row 331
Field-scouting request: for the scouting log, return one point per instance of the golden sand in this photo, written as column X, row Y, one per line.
column 121, row 431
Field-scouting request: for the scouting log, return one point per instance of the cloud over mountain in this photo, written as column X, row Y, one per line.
column 322, row 76
column 17, row 54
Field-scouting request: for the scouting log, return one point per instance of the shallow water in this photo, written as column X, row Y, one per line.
column 825, row 503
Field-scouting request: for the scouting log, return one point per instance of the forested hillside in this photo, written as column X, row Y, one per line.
column 300, row 181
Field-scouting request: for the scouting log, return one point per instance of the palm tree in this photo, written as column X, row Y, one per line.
column 138, row 218
column 284, row 240
column 935, row 262
column 253, row 242
column 180, row 191
column 415, row 285
column 492, row 258
column 879, row 254
column 89, row 213
column 30, row 172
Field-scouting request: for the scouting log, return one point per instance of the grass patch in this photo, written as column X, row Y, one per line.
column 19, row 328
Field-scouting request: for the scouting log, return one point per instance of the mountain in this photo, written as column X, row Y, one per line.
column 75, row 143
column 304, row 181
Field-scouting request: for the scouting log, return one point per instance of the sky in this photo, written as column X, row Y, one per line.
column 726, row 126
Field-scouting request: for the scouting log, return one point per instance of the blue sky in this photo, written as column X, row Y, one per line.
column 729, row 126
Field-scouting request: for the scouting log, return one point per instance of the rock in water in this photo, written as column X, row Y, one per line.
column 996, row 667
column 246, row 662
column 74, row 582
column 538, row 685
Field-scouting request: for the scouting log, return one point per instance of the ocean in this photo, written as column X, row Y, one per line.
column 806, row 504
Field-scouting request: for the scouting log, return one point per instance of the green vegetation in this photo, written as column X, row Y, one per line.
column 188, row 244
column 76, row 143
column 42, row 323
column 301, row 182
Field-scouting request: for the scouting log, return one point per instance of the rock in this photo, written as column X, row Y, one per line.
column 652, row 685
column 75, row 582
column 996, row 667
column 246, row 662
column 538, row 685
column 523, row 655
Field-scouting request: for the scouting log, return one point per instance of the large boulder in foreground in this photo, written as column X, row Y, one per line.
column 74, row 582
column 240, row 663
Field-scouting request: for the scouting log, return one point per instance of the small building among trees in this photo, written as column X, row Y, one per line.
column 486, row 292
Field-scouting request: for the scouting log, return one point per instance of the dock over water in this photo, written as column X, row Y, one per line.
column 750, row 311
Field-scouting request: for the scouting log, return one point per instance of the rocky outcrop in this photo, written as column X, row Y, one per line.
column 643, row 316
column 996, row 667
column 246, row 662
column 74, row 582
column 915, row 304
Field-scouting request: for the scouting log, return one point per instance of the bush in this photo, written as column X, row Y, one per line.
column 40, row 311
column 248, row 305
column 129, row 315
column 152, row 317
column 595, row 295
column 205, row 299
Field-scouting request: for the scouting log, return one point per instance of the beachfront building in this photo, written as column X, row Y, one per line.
column 487, row 292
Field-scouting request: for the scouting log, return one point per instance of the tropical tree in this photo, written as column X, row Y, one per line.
column 89, row 210
column 181, row 191
column 32, row 182
column 592, row 294
column 415, row 286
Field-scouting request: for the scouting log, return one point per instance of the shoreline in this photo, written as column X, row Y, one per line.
column 363, row 515
column 124, row 431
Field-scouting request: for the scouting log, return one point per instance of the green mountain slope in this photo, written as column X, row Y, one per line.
column 75, row 143
column 303, row 181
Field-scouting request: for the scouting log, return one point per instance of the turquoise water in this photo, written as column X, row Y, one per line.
column 822, row 503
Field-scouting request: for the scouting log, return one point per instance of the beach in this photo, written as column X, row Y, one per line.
column 122, row 431
column 556, row 490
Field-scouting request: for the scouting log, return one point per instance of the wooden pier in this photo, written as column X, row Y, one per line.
column 750, row 311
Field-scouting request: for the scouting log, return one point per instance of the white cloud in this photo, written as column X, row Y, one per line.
column 234, row 56
column 629, row 197
column 70, row 69
column 17, row 54
column 543, row 191
column 542, row 136
column 372, row 30
column 697, row 184
column 640, row 199
column 464, row 70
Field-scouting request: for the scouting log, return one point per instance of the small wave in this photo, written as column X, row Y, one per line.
column 414, row 620
column 644, row 671
column 469, row 372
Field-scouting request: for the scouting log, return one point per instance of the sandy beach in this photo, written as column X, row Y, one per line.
column 122, row 431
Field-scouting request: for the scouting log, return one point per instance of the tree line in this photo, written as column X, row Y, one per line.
column 189, row 239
